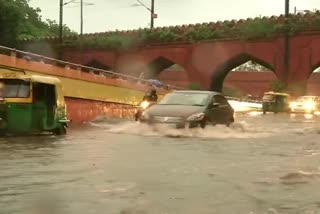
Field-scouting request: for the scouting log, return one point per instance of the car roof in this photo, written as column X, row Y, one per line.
column 198, row 92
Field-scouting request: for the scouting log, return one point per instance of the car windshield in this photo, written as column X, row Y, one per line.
column 13, row 88
column 188, row 99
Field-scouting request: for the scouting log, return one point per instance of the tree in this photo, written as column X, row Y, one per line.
column 20, row 21
column 278, row 86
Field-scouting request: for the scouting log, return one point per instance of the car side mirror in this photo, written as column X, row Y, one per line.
column 215, row 105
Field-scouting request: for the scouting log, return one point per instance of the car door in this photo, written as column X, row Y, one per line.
column 220, row 112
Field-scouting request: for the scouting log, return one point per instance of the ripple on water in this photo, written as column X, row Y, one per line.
column 300, row 177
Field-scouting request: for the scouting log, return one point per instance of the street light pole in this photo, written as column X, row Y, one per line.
column 61, row 21
column 152, row 14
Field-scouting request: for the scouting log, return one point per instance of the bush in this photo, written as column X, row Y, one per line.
column 110, row 41
column 156, row 36
column 202, row 33
column 249, row 29
column 278, row 86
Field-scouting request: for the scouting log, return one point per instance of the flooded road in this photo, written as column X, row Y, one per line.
column 262, row 164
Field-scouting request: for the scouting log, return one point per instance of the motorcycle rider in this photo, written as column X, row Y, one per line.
column 151, row 96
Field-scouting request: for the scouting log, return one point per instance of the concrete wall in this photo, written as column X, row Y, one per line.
column 87, row 95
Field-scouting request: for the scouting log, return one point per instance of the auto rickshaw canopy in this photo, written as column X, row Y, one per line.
column 36, row 79
column 268, row 96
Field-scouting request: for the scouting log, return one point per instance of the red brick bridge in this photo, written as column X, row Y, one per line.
column 209, row 62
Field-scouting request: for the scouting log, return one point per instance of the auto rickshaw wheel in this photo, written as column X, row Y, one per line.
column 3, row 133
column 61, row 130
column 264, row 108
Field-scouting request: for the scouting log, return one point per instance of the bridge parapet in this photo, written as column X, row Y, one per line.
column 72, row 70
column 251, row 28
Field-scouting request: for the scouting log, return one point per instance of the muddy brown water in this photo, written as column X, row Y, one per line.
column 262, row 164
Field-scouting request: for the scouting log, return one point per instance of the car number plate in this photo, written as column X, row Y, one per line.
column 173, row 126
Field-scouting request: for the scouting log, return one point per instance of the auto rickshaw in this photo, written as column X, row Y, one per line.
column 275, row 102
column 31, row 104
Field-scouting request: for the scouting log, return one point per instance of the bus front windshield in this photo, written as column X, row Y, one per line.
column 13, row 88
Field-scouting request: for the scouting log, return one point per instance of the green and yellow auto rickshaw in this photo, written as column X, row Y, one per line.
column 276, row 102
column 31, row 104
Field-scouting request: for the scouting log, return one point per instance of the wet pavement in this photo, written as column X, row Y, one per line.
column 262, row 164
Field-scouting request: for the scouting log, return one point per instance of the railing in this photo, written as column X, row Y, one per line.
column 32, row 57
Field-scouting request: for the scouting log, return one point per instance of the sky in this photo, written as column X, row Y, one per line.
column 108, row 15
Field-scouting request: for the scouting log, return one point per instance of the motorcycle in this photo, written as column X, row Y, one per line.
column 141, row 108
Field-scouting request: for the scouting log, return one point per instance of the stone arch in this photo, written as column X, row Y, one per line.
column 99, row 65
column 222, row 70
column 157, row 65
column 312, row 85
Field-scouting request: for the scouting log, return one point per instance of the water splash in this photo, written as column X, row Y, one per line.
column 236, row 130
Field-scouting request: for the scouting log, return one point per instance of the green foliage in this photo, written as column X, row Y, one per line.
column 259, row 28
column 112, row 42
column 195, row 86
column 278, row 86
column 202, row 33
column 159, row 36
column 20, row 21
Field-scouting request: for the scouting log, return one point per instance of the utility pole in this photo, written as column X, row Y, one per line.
column 152, row 14
column 61, row 21
column 286, row 40
column 81, row 21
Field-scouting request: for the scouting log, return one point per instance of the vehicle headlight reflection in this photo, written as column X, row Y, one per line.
column 195, row 117
column 144, row 104
column 309, row 106
column 293, row 105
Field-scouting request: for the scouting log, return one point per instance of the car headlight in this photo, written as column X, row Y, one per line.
column 196, row 117
column 144, row 104
column 309, row 105
column 293, row 105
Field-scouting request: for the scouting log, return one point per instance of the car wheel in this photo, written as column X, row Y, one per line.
column 203, row 124
column 230, row 122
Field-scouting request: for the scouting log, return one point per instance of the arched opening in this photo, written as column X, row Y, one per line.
column 98, row 65
column 243, row 74
column 313, row 84
column 166, row 71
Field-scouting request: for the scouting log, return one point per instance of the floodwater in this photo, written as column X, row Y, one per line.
column 264, row 164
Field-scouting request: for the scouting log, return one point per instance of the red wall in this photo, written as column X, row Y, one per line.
column 81, row 110
column 205, row 60
column 255, row 83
